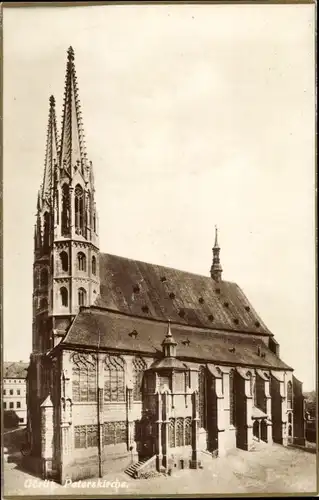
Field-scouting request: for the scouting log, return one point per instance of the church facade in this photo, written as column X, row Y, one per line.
column 137, row 366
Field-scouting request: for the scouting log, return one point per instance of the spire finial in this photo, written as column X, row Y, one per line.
column 216, row 237
column 52, row 101
column 169, row 333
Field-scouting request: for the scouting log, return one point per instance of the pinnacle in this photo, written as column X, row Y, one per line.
column 52, row 101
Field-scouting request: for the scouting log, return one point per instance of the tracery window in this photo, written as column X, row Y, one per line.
column 65, row 212
column 81, row 261
column 139, row 366
column 88, row 209
column 202, row 396
column 114, row 379
column 179, row 432
column 84, row 378
column 79, row 209
column 64, row 259
column 64, row 296
column 114, row 432
column 289, row 395
column 82, row 297
column 85, row 436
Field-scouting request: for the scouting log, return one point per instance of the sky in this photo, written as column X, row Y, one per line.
column 194, row 116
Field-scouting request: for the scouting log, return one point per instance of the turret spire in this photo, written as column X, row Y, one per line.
column 72, row 150
column 169, row 344
column 51, row 154
column 216, row 269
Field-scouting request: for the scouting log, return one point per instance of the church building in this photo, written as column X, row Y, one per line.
column 136, row 366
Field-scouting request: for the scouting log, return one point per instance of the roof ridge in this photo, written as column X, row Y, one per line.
column 165, row 267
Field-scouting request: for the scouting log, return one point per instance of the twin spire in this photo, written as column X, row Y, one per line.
column 51, row 154
column 71, row 152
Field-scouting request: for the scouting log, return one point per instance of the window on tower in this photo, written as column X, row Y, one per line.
column 46, row 232
column 82, row 297
column 64, row 259
column 64, row 296
column 65, row 212
column 81, row 261
column 94, row 265
column 79, row 209
column 57, row 209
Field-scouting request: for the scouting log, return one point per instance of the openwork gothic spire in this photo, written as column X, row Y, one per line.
column 72, row 149
column 51, row 154
column 216, row 269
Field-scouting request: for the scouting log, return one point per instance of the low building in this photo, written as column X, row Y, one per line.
column 14, row 394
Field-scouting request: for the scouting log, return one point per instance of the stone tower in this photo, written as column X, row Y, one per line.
column 66, row 255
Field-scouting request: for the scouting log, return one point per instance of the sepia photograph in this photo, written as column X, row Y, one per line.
column 159, row 250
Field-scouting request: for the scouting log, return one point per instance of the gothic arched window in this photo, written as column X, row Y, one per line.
column 82, row 297
column 44, row 279
column 84, row 378
column 64, row 259
column 94, row 222
column 88, row 209
column 202, row 396
column 79, row 209
column 289, row 395
column 139, row 366
column 64, row 296
column 81, row 261
column 94, row 265
column 114, row 379
column 232, row 401
column 46, row 232
column 179, row 432
column 65, row 214
column 251, row 384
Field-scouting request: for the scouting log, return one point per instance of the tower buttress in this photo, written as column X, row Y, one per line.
column 216, row 268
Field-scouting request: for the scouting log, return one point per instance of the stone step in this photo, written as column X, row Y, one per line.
column 131, row 469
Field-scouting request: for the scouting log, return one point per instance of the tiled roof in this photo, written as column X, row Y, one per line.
column 152, row 291
column 15, row 369
column 93, row 327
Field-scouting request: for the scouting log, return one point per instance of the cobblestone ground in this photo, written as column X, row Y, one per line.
column 269, row 470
